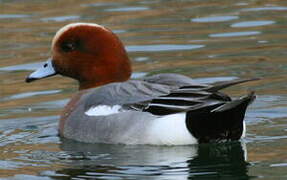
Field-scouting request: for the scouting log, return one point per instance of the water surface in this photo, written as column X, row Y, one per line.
column 207, row 40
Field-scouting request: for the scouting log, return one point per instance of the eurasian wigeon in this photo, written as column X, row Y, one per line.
column 164, row 109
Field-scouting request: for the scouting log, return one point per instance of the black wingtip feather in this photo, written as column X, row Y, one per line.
column 237, row 102
column 221, row 85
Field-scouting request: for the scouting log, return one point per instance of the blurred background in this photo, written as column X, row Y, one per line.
column 206, row 40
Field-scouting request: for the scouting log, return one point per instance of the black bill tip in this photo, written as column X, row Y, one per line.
column 28, row 79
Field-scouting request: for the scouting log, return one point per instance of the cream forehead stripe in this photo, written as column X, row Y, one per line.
column 69, row 26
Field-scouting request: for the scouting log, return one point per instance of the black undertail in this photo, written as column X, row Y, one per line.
column 211, row 114
column 222, row 123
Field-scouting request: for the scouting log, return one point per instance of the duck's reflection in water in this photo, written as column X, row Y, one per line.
column 215, row 161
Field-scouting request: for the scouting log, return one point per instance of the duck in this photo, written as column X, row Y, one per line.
column 112, row 108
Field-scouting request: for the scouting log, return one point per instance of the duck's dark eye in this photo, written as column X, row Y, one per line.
column 69, row 46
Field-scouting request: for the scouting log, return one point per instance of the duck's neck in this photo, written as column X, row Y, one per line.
column 105, row 75
column 69, row 108
column 92, row 84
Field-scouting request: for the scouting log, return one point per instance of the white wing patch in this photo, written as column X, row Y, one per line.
column 103, row 110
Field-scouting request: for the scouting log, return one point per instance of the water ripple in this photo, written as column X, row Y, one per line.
column 162, row 47
column 272, row 8
column 252, row 23
column 30, row 94
column 235, row 34
column 214, row 19
column 13, row 16
column 61, row 18
column 20, row 67
column 127, row 9
column 279, row 165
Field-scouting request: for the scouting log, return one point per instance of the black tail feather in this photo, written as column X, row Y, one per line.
column 222, row 123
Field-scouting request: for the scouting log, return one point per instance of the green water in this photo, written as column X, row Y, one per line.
column 208, row 40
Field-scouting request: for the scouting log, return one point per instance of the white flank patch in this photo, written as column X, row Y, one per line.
column 170, row 130
column 244, row 130
column 103, row 110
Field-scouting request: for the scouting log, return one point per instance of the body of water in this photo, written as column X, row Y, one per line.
column 207, row 40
